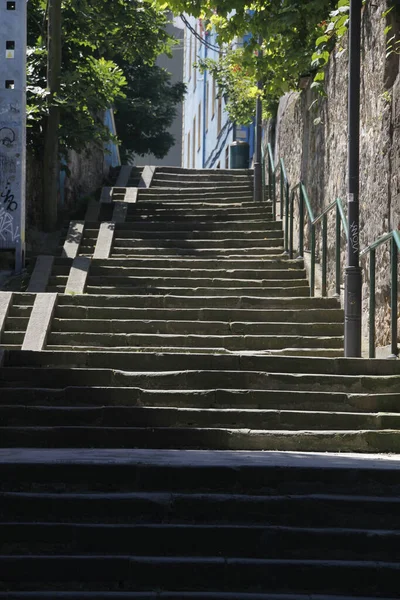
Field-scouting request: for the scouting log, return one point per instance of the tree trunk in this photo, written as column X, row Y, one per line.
column 51, row 159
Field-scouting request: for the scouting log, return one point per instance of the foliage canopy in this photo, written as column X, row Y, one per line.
column 100, row 39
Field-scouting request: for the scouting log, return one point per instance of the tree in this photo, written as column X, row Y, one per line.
column 147, row 110
column 288, row 28
column 98, row 37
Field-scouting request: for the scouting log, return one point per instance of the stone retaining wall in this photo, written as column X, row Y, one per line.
column 313, row 142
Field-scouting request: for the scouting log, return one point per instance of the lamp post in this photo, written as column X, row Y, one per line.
column 353, row 283
column 257, row 194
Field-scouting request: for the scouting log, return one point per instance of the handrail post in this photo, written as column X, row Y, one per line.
column 281, row 182
column 287, row 195
column 291, row 226
column 372, row 304
column 312, row 275
column 393, row 298
column 324, row 252
column 301, row 224
column 273, row 194
column 337, row 252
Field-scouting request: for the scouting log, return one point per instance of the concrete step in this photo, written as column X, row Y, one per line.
column 196, row 242
column 212, row 328
column 185, row 573
column 153, row 224
column 194, row 438
column 171, row 278
column 261, row 263
column 193, row 196
column 182, row 172
column 300, row 510
column 244, row 301
column 196, row 206
column 155, row 251
column 230, row 541
column 128, row 273
column 151, row 362
column 202, row 379
column 259, row 317
column 193, row 340
column 196, row 235
column 166, row 211
column 183, row 417
column 199, row 291
column 198, row 399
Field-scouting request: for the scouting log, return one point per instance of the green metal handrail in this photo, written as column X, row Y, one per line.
column 287, row 202
column 394, row 238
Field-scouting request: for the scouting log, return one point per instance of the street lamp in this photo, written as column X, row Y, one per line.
column 353, row 283
column 257, row 194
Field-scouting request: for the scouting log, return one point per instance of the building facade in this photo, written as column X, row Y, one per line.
column 173, row 65
column 207, row 131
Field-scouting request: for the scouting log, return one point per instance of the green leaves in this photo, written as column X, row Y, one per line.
column 98, row 37
column 333, row 31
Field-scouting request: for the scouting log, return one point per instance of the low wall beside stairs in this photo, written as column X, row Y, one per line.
column 312, row 140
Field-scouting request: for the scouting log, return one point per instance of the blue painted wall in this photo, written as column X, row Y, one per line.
column 206, row 135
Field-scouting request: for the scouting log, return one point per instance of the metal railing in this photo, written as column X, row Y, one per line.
column 287, row 200
column 394, row 238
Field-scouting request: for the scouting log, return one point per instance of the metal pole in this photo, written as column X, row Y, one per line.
column 258, row 133
column 352, row 299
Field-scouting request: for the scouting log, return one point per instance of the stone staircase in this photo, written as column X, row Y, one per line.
column 168, row 429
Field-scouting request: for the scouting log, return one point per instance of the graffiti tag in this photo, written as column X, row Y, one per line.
column 7, row 229
column 8, row 198
column 7, row 136
column 354, row 237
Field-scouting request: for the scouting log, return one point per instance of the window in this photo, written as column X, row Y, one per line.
column 194, row 144
column 214, row 94
column 219, row 116
column 188, row 151
column 190, row 57
column 194, row 60
column 198, row 127
column 206, row 107
column 227, row 157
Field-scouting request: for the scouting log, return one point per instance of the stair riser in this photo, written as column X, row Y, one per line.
column 201, row 380
column 195, row 439
column 20, row 416
column 271, row 292
column 215, row 399
column 247, row 542
column 232, row 342
column 255, row 316
column 185, row 327
column 299, row 510
column 176, row 301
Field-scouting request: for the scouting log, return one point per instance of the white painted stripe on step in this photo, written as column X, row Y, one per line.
column 41, row 274
column 131, row 194
column 78, row 275
column 5, row 305
column 73, row 240
column 104, row 240
column 39, row 322
column 146, row 177
column 123, row 176
column 120, row 211
column 106, row 194
column 92, row 211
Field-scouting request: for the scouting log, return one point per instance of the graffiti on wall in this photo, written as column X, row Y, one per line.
column 8, row 231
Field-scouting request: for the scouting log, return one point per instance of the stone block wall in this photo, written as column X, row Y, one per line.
column 311, row 137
